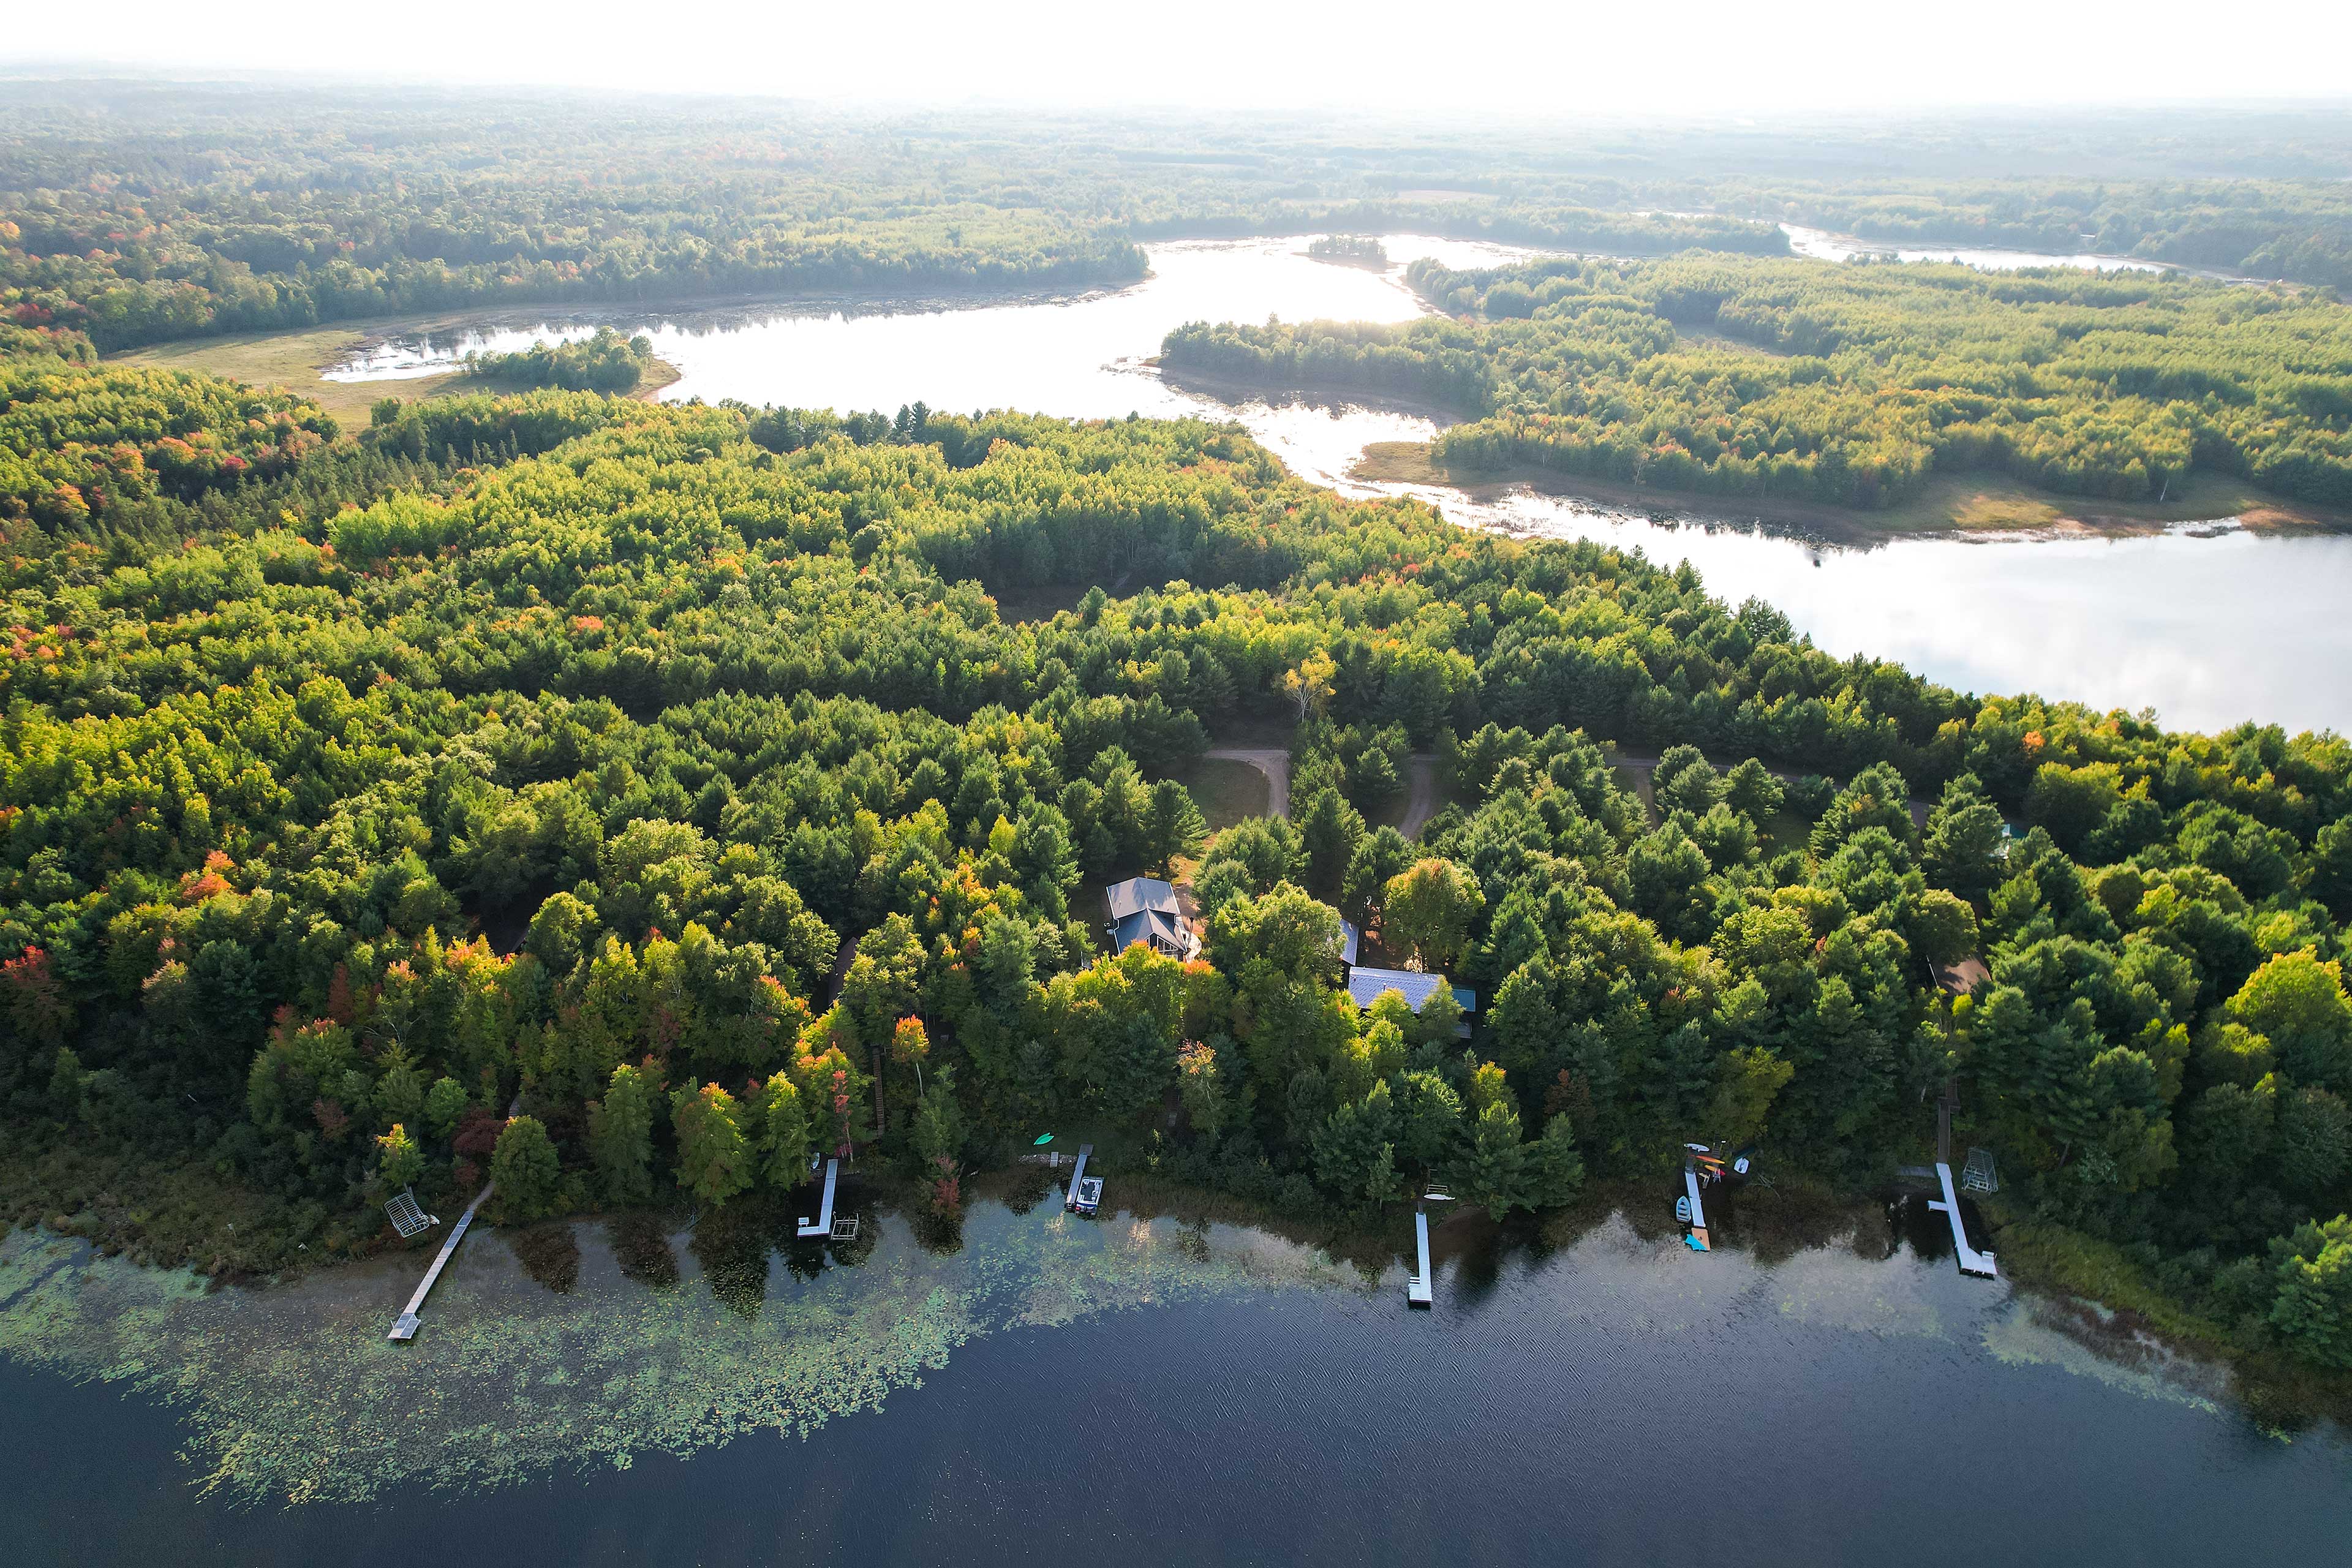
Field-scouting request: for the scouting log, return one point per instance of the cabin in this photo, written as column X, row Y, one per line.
column 1366, row 984
column 1144, row 910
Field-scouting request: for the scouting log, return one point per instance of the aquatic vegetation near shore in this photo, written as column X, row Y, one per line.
column 293, row 1393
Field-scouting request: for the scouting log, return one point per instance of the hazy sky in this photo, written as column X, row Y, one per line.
column 1547, row 56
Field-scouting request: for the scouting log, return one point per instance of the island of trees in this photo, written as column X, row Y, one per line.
column 602, row 361
column 1350, row 250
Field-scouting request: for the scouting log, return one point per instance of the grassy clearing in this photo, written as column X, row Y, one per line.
column 1703, row 338
column 291, row 360
column 154, row 1209
column 1017, row 603
column 295, row 360
column 1225, row 791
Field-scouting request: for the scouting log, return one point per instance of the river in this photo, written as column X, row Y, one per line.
column 1830, row 1391
column 2209, row 623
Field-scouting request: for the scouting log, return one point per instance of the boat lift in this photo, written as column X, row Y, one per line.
column 1085, row 1192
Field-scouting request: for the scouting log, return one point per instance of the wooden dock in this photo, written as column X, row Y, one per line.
column 404, row 1326
column 823, row 1225
column 1417, row 1288
column 1698, row 1213
column 1081, row 1198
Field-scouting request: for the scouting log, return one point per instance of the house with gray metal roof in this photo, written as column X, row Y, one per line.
column 1144, row 910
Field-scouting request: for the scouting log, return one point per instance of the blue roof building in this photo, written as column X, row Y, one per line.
column 1366, row 984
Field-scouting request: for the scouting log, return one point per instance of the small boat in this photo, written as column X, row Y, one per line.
column 1682, row 1209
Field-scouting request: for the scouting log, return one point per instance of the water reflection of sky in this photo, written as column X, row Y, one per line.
column 2209, row 627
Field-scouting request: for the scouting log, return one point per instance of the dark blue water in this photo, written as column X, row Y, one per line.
column 1587, row 1407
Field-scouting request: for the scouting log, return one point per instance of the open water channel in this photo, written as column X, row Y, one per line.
column 2208, row 623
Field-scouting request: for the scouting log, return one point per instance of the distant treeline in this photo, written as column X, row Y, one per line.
column 1544, row 225
column 132, row 213
column 1869, row 378
column 2298, row 230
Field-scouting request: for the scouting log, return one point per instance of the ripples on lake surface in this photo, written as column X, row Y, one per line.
column 2207, row 624
column 1150, row 1392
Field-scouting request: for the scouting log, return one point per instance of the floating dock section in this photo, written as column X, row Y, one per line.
column 822, row 1224
column 1971, row 1261
column 1698, row 1213
column 1085, row 1192
column 1416, row 1290
column 404, row 1326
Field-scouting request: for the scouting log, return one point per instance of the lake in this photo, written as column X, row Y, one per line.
column 2207, row 624
column 1150, row 1391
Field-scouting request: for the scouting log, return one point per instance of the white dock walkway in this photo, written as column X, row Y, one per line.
column 1971, row 1260
column 1698, row 1213
column 1417, row 1288
column 404, row 1326
column 822, row 1224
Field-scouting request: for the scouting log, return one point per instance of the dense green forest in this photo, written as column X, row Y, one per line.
column 1849, row 384
column 133, row 213
column 675, row 771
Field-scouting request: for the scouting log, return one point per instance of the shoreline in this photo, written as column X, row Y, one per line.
column 1963, row 508
column 2104, row 1301
column 297, row 358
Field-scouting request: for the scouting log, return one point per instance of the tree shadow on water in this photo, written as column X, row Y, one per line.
column 732, row 1243
column 549, row 1254
column 641, row 1246
column 1024, row 1187
column 941, row 1234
